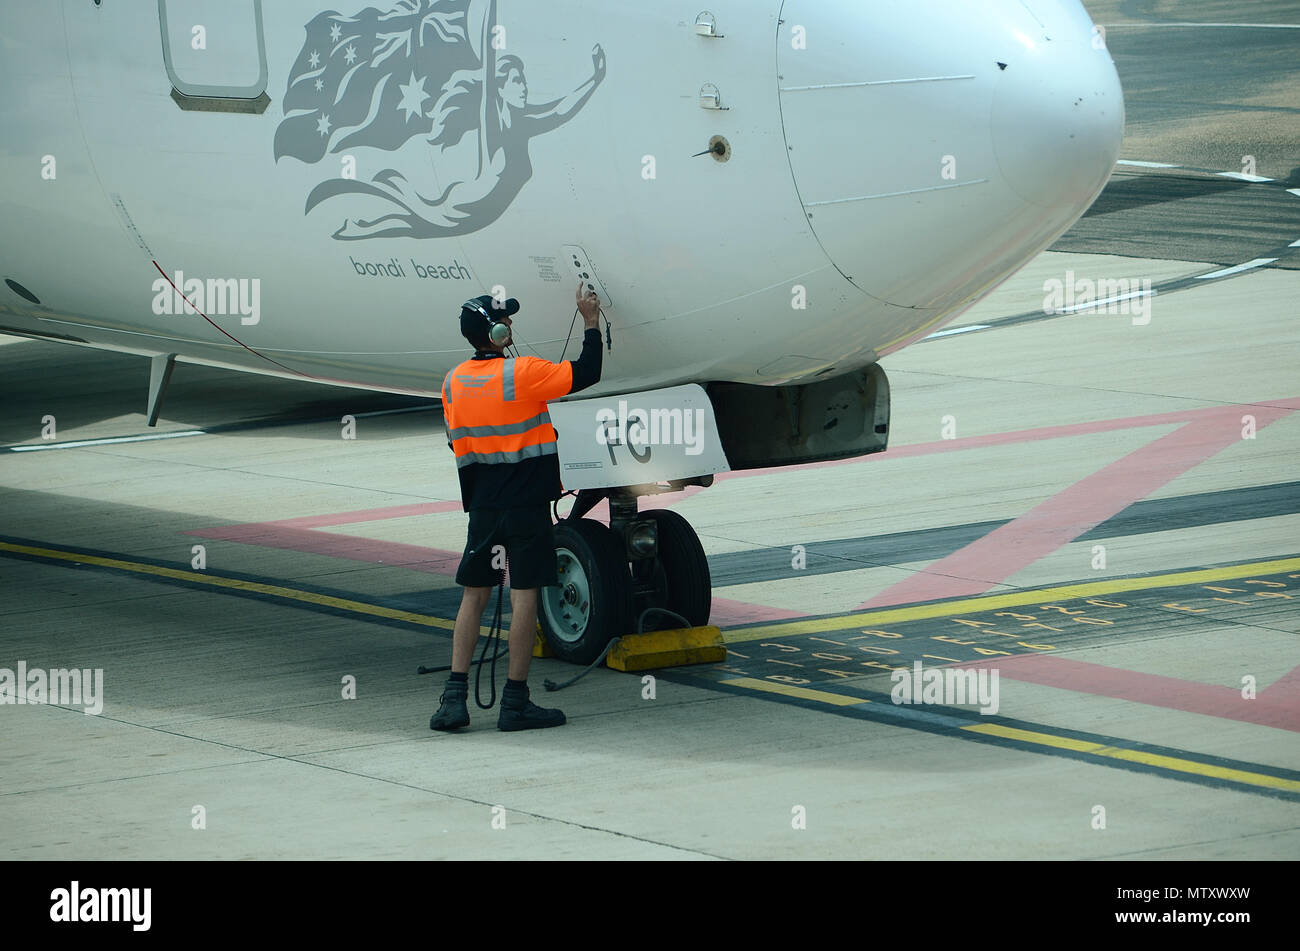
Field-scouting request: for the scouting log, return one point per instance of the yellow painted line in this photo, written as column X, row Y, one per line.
column 238, row 584
column 1033, row 736
column 838, row 699
column 1157, row 760
column 1089, row 589
column 1204, row 769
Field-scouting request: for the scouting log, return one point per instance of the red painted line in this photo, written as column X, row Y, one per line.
column 1151, row 689
column 295, row 534
column 992, row 559
column 919, row 449
column 1285, row 690
column 431, row 560
column 419, row 558
column 668, row 499
column 436, row 561
column 364, row 515
column 1031, row 435
column 727, row 613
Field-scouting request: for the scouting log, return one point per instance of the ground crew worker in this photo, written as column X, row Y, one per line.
column 498, row 427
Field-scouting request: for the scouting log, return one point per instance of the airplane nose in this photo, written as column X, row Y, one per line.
column 936, row 144
column 1057, row 126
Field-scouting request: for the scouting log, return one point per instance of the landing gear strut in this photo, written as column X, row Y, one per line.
column 610, row 576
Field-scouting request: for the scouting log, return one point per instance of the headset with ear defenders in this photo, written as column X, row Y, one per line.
column 498, row 332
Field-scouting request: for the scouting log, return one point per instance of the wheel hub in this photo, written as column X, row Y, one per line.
column 568, row 604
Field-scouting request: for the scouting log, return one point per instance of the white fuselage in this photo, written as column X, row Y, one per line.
column 884, row 173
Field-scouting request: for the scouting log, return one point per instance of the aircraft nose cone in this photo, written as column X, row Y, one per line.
column 1058, row 122
column 936, row 145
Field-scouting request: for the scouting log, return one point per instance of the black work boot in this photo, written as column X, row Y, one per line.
column 520, row 713
column 452, row 714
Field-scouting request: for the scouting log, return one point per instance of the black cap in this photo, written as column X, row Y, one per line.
column 474, row 326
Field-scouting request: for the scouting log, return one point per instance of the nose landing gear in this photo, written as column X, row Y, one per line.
column 609, row 576
column 593, row 601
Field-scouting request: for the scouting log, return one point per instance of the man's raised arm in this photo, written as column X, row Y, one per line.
column 586, row 369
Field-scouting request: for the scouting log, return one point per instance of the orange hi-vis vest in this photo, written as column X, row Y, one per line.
column 495, row 410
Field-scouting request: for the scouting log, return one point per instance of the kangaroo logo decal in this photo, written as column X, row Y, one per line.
column 429, row 68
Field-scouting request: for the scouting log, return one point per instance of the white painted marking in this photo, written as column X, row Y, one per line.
column 1147, row 164
column 1293, row 191
column 75, row 444
column 1242, row 176
column 1258, row 262
column 910, row 191
column 958, row 330
column 1294, row 244
column 1091, row 305
column 1244, row 26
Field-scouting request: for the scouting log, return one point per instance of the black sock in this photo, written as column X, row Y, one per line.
column 455, row 678
column 516, row 686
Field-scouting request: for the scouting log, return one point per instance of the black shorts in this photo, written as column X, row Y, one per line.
column 528, row 538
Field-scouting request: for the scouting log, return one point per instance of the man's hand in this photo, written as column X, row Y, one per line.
column 589, row 307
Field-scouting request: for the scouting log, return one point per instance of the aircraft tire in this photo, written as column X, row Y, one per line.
column 688, row 585
column 592, row 603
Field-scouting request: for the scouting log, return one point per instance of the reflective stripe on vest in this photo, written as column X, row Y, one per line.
column 494, row 458
column 487, row 423
column 508, row 380
column 514, row 429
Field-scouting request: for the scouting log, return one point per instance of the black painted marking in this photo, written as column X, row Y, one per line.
column 441, row 603
column 890, row 717
column 1048, row 627
column 932, row 544
column 949, row 722
column 40, row 334
column 1248, row 237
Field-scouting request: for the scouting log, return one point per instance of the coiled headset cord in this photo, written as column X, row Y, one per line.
column 494, row 634
column 609, row 339
column 640, row 626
